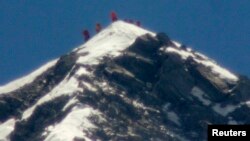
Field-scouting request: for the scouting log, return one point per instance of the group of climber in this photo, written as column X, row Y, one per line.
column 98, row 26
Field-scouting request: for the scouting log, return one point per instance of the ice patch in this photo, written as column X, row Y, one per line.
column 223, row 73
column 198, row 93
column 189, row 49
column 140, row 105
column 232, row 121
column 75, row 124
column 172, row 116
column 224, row 111
column 184, row 54
column 177, row 44
column 248, row 104
column 66, row 87
column 6, row 128
column 82, row 71
column 89, row 86
column 70, row 103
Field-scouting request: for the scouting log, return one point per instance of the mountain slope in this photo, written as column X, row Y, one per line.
column 126, row 83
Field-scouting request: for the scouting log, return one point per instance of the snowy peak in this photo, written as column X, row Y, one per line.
column 120, row 35
column 125, row 83
column 118, row 30
column 110, row 41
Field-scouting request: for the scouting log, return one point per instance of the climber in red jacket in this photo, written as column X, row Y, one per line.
column 86, row 35
column 98, row 27
column 113, row 16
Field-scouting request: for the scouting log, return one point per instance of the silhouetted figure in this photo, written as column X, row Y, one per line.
column 131, row 21
column 138, row 23
column 86, row 35
column 113, row 16
column 126, row 20
column 98, row 28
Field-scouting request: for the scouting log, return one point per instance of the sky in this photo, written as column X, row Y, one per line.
column 33, row 32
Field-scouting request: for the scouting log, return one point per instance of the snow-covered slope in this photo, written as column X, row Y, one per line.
column 6, row 128
column 14, row 85
column 202, row 59
column 125, row 83
column 110, row 42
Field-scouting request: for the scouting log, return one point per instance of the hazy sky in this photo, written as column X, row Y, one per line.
column 33, row 32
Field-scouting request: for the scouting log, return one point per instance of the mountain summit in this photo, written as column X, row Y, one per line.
column 126, row 83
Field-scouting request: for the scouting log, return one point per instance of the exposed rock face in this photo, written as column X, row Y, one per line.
column 12, row 104
column 143, row 94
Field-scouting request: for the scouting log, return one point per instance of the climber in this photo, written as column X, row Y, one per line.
column 86, row 35
column 131, row 21
column 113, row 16
column 98, row 27
column 138, row 23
